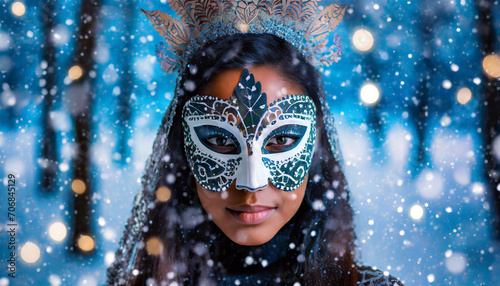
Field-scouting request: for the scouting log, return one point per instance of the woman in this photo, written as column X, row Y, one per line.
column 249, row 156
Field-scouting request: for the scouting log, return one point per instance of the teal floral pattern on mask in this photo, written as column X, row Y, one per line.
column 213, row 171
column 287, row 174
column 225, row 140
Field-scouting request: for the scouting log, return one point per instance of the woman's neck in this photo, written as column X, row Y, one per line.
column 236, row 258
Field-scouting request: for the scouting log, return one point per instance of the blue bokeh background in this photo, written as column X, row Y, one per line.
column 451, row 245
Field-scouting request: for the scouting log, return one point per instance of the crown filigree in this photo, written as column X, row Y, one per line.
column 303, row 23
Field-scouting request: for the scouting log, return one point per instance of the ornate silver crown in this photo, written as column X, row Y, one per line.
column 303, row 23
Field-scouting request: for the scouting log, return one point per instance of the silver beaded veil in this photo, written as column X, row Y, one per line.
column 305, row 24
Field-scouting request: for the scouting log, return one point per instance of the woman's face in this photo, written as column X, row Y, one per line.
column 251, row 211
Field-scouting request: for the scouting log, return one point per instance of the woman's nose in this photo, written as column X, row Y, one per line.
column 250, row 198
column 253, row 174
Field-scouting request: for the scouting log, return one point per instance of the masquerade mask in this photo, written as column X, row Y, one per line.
column 245, row 139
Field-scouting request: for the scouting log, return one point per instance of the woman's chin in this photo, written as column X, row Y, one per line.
column 250, row 237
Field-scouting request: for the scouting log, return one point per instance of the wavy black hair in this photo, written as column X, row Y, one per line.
column 322, row 228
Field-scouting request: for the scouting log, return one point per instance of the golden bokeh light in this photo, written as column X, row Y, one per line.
column 363, row 40
column 78, row 186
column 57, row 231
column 75, row 72
column 154, row 246
column 163, row 194
column 30, row 252
column 464, row 95
column 491, row 65
column 85, row 243
column 18, row 8
column 369, row 94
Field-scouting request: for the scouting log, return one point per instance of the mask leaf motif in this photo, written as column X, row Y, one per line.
column 206, row 11
column 185, row 9
column 325, row 22
column 246, row 11
column 171, row 29
column 252, row 104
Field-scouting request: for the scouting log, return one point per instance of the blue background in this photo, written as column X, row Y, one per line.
column 451, row 245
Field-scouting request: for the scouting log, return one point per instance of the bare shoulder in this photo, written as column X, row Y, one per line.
column 368, row 277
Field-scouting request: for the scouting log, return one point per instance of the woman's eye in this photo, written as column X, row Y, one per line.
column 221, row 144
column 284, row 138
column 280, row 143
column 217, row 139
column 220, row 141
column 281, row 140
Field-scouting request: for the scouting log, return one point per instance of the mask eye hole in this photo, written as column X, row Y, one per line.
column 284, row 138
column 218, row 139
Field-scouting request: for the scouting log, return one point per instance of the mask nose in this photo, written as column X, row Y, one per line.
column 253, row 175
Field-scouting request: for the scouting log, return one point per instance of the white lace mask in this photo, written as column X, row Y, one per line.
column 245, row 139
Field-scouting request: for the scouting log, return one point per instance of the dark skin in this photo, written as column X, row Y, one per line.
column 251, row 218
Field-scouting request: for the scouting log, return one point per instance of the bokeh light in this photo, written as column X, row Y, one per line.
column 5, row 44
column 447, row 84
column 362, row 40
column 491, row 65
column 478, row 188
column 430, row 184
column 30, row 252
column 75, row 72
column 455, row 262
column 54, row 280
column 416, row 212
column 163, row 194
column 78, row 186
column 18, row 8
column 496, row 147
column 57, row 231
column 154, row 246
column 464, row 95
column 369, row 94
column 109, row 258
column 85, row 243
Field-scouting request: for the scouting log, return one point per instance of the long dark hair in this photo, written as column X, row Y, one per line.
column 323, row 226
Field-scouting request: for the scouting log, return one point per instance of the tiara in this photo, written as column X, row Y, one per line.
column 303, row 23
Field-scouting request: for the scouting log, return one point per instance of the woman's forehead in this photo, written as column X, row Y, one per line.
column 273, row 83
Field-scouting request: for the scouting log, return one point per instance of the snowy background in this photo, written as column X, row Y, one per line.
column 414, row 158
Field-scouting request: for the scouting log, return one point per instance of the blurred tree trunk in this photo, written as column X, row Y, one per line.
column 9, row 88
column 491, row 123
column 49, row 151
column 82, row 116
column 126, row 83
column 374, row 118
column 419, row 104
column 419, row 108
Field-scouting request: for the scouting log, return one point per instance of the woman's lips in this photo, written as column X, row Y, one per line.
column 247, row 214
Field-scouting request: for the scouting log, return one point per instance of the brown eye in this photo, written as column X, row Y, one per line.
column 281, row 140
column 280, row 143
column 221, row 144
column 284, row 138
column 220, row 141
column 217, row 139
